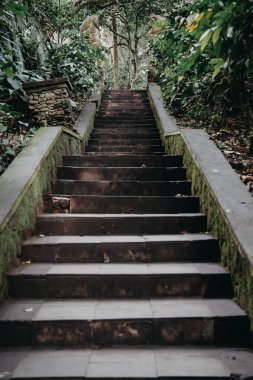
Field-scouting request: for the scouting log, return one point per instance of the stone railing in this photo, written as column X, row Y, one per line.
column 29, row 177
column 223, row 198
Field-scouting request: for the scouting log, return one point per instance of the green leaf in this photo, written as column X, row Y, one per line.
column 205, row 39
column 217, row 61
column 4, row 107
column 16, row 8
column 15, row 114
column 8, row 70
column 216, row 34
column 216, row 72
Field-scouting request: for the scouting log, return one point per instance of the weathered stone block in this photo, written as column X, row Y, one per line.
column 45, row 96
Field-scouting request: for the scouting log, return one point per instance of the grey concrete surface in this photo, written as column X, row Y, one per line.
column 85, row 121
column 131, row 362
column 231, row 195
column 166, row 122
column 69, row 310
column 17, row 178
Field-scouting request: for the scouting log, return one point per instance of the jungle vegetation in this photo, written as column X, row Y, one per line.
column 199, row 51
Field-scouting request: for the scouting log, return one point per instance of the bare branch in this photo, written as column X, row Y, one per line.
column 118, row 34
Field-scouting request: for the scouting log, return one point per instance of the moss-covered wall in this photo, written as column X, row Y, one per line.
column 231, row 257
column 22, row 218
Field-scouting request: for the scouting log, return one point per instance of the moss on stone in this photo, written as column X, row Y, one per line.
column 234, row 260
column 23, row 220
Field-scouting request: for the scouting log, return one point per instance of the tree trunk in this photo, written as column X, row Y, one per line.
column 115, row 51
column 129, row 65
column 135, row 68
column 59, row 29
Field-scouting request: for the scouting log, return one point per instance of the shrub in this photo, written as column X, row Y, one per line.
column 204, row 59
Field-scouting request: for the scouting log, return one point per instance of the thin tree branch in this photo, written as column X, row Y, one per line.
column 118, row 34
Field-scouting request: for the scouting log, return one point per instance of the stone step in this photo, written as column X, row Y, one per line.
column 125, row 107
column 130, row 126
column 116, row 134
column 139, row 143
column 130, row 98
column 156, row 362
column 119, row 224
column 133, row 204
column 126, row 129
column 121, row 173
column 124, row 113
column 127, row 98
column 124, row 92
column 119, row 106
column 105, row 281
column 122, row 116
column 127, row 249
column 122, row 119
column 146, row 188
column 123, row 161
column 123, row 98
column 116, row 105
column 127, row 149
column 126, row 153
column 123, row 322
column 117, row 101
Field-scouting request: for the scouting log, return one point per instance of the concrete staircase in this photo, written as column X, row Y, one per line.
column 128, row 283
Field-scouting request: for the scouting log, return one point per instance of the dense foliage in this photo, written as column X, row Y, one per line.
column 128, row 66
column 203, row 56
column 40, row 39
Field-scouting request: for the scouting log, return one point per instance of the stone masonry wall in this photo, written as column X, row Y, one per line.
column 49, row 102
